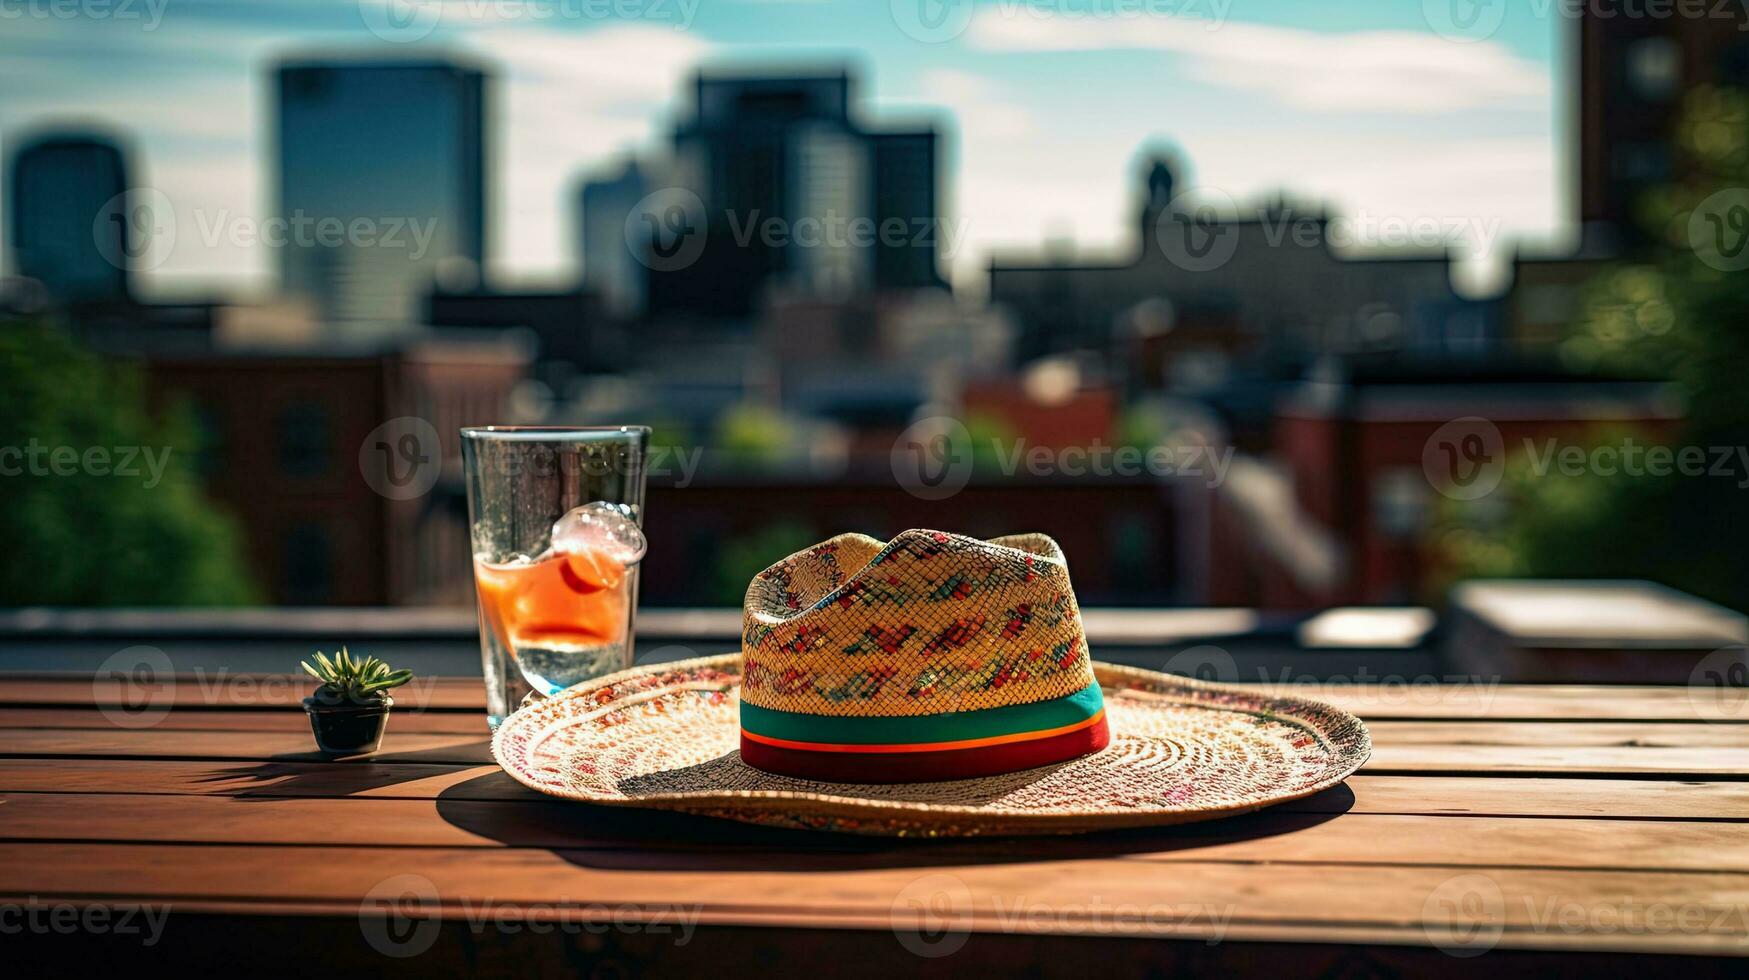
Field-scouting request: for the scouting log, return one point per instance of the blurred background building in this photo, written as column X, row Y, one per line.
column 399, row 145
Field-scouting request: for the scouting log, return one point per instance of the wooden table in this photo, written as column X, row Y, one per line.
column 1548, row 828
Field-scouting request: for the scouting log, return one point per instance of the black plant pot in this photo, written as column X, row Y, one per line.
column 346, row 727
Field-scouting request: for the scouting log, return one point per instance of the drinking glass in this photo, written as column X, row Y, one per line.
column 553, row 617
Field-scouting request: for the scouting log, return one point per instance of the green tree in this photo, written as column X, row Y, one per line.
column 1675, row 314
column 76, row 532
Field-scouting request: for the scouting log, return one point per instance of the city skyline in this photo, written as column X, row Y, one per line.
column 1463, row 134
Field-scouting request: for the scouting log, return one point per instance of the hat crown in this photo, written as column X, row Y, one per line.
column 927, row 623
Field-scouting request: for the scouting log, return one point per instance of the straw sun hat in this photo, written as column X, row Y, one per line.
column 931, row 685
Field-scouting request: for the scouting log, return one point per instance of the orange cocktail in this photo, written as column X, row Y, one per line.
column 553, row 612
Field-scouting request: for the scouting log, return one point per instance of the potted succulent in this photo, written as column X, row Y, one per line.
column 350, row 709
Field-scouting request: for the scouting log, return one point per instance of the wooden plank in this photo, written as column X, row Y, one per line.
column 1485, row 700
column 221, row 689
column 149, row 743
column 1531, row 907
column 1666, row 763
column 1372, row 700
column 363, row 779
column 232, row 720
column 1600, row 760
column 1566, row 733
column 1363, row 793
column 1387, row 733
column 1276, row 837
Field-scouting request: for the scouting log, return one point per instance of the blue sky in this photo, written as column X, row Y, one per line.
column 1365, row 107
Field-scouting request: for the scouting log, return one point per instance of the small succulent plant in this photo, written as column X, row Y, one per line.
column 347, row 678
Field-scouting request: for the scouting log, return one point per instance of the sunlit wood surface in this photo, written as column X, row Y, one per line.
column 1548, row 829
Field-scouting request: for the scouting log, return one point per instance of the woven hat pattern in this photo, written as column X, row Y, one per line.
column 929, row 623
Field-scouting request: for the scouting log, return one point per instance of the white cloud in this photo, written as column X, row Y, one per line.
column 1379, row 71
column 983, row 115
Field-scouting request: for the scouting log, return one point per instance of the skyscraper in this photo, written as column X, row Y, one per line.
column 904, row 194
column 381, row 184
column 61, row 185
column 788, row 149
column 609, row 267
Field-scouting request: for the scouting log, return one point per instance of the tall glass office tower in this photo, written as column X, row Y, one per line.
column 381, row 185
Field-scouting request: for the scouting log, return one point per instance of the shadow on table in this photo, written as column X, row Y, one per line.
column 313, row 774
column 660, row 840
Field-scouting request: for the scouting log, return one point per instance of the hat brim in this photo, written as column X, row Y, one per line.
column 667, row 736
